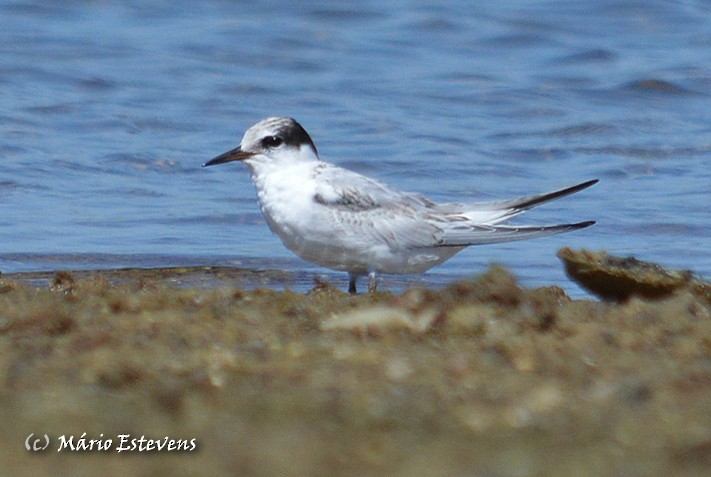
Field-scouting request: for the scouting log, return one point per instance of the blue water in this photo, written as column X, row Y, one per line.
column 108, row 109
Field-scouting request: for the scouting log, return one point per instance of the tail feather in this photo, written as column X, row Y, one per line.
column 462, row 236
column 492, row 213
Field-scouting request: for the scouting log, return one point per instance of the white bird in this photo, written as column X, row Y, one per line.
column 346, row 221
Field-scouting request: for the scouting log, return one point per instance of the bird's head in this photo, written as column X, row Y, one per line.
column 271, row 140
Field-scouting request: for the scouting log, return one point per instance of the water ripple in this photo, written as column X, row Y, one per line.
column 110, row 108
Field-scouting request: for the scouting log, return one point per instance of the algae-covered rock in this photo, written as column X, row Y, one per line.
column 619, row 278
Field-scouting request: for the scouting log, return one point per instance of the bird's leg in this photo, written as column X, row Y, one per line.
column 372, row 283
column 352, row 283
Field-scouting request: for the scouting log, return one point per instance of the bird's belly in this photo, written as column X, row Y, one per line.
column 327, row 249
column 361, row 256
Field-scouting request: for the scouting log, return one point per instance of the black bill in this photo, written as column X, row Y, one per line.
column 236, row 154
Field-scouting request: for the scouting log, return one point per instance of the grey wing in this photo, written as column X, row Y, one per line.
column 408, row 220
column 372, row 208
column 355, row 192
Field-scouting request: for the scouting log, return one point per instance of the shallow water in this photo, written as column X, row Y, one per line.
column 109, row 109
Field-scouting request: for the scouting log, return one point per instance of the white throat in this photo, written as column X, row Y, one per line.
column 279, row 160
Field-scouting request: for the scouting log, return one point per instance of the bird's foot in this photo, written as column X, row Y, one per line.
column 372, row 283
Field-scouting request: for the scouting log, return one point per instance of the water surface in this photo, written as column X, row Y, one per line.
column 109, row 109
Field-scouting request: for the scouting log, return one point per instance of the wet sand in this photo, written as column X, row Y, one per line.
column 482, row 377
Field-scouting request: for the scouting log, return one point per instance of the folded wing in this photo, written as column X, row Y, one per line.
column 404, row 220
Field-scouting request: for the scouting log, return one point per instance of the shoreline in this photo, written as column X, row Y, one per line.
column 481, row 376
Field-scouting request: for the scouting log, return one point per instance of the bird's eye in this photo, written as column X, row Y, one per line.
column 272, row 141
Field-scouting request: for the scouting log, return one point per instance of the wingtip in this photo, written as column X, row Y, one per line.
column 582, row 225
column 529, row 202
column 583, row 185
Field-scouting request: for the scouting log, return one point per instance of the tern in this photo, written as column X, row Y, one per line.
column 346, row 221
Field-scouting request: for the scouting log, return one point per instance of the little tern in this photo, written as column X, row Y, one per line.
column 346, row 221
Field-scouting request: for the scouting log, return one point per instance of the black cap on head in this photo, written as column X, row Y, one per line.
column 294, row 134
